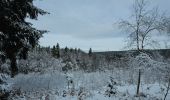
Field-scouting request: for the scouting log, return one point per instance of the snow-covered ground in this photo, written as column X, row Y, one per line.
column 55, row 85
column 51, row 83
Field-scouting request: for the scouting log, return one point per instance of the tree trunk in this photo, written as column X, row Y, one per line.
column 137, row 41
column 137, row 35
column 138, row 85
column 14, row 69
column 167, row 89
column 142, row 47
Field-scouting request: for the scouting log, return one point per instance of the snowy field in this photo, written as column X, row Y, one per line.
column 116, row 84
column 54, row 85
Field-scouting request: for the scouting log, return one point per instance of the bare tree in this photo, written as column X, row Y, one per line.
column 166, row 24
column 138, row 85
column 167, row 89
column 144, row 22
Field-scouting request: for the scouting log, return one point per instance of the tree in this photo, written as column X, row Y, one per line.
column 58, row 50
column 166, row 24
column 66, row 50
column 53, row 51
column 90, row 52
column 167, row 89
column 75, row 50
column 16, row 35
column 138, row 85
column 144, row 22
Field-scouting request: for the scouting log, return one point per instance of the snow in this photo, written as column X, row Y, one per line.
column 50, row 83
column 2, row 53
column 37, row 86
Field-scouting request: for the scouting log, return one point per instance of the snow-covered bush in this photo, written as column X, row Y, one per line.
column 5, row 68
column 111, row 89
column 152, row 70
column 50, row 80
column 39, row 62
column 83, row 93
column 5, row 86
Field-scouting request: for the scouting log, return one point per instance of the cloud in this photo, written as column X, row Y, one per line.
column 81, row 20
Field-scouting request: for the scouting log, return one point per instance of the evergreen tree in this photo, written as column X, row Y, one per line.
column 16, row 35
column 90, row 52
column 66, row 49
column 58, row 50
column 71, row 50
column 53, row 51
column 75, row 50
column 78, row 50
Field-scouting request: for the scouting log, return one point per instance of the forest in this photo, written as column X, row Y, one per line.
column 32, row 71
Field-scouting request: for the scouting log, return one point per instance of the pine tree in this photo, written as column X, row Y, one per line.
column 71, row 50
column 16, row 35
column 90, row 52
column 53, row 51
column 58, row 50
column 75, row 50
column 79, row 50
column 66, row 49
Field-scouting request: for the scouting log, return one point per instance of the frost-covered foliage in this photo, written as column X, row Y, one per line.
column 41, row 81
column 151, row 69
column 144, row 61
column 5, row 67
column 44, row 79
column 111, row 88
column 39, row 62
column 5, row 86
column 84, row 86
column 17, row 35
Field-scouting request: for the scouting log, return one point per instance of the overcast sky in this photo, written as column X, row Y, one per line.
column 87, row 23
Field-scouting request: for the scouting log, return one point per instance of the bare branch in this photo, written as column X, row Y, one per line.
column 144, row 22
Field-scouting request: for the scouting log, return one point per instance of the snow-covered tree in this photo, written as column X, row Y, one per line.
column 143, row 24
column 53, row 51
column 16, row 34
column 58, row 50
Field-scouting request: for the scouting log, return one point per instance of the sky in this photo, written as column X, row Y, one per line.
column 87, row 23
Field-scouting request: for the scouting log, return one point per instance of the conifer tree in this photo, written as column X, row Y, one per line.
column 58, row 50
column 75, row 50
column 90, row 52
column 66, row 49
column 53, row 51
column 16, row 34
